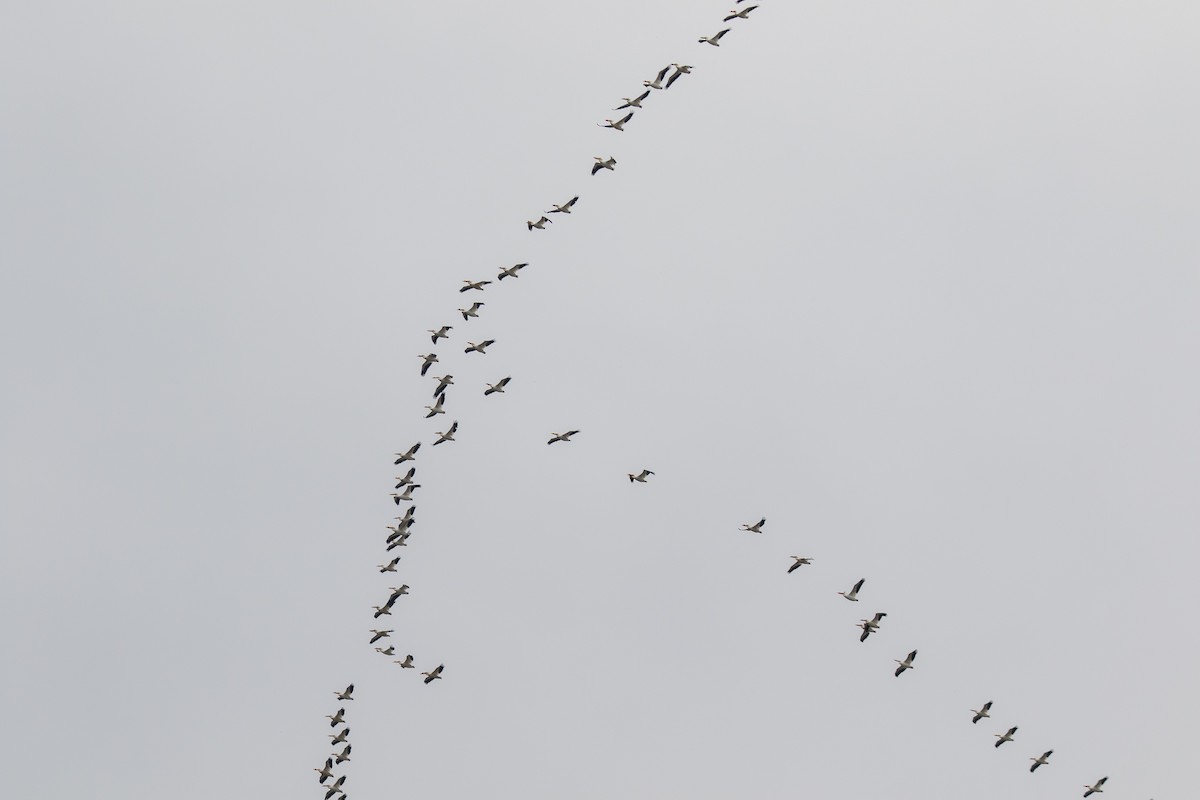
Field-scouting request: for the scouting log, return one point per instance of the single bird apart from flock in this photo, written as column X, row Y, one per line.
column 473, row 311
column 447, row 436
column 800, row 561
column 481, row 347
column 743, row 14
column 428, row 361
column 715, row 41
column 680, row 69
column 1040, row 760
column 640, row 477
column 1095, row 787
column 870, row 626
column 603, row 163
column 434, row 674
column 346, row 694
column 498, row 387
column 633, row 102
column 441, row 333
column 1007, row 736
column 561, row 437
column 410, row 455
column 539, row 224
column 565, row 208
column 906, row 663
column 617, row 125
column 476, row 285
column 756, row 527
column 981, row 712
column 657, row 82
column 511, row 272
column 853, row 593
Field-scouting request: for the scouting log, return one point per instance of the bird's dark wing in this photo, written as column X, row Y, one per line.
column 859, row 585
column 662, row 73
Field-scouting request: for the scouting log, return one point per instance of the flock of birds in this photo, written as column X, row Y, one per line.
column 399, row 533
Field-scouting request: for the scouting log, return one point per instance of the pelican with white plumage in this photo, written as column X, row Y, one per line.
column 853, row 593
column 640, row 477
column 448, row 435
column 565, row 208
column 441, row 333
column 1095, row 788
column 617, row 125
column 335, row 787
column 410, row 455
column 633, row 102
column 443, row 382
column 435, row 674
column 336, row 719
column 339, row 737
column 756, row 527
column 540, row 224
column 798, row 562
column 498, row 387
column 433, row 410
column 511, row 272
column 481, row 347
column 657, row 82
column 870, row 626
column 906, row 663
column 342, row 756
column 1041, row 760
column 609, row 163
column 476, row 285
column 1007, row 736
column 346, row 694
column 680, row 69
column 714, row 40
column 326, row 772
column 981, row 712
column 743, row 14
column 407, row 663
column 473, row 311
column 561, row 437
column 380, row 635
column 427, row 361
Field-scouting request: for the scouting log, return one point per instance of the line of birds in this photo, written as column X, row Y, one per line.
column 325, row 773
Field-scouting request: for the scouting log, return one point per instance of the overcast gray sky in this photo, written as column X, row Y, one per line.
column 915, row 280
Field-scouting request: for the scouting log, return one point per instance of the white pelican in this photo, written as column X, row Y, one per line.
column 407, row 519
column 497, row 387
column 657, row 82
column 401, row 541
column 407, row 479
column 1005, row 737
column 633, row 102
column 390, row 650
column 429, row 359
column 348, row 694
column 981, row 712
column 478, row 285
column 433, row 410
column 407, row 495
column 325, row 772
column 1040, row 760
column 743, row 14
column 472, row 311
column 443, row 382
column 565, row 208
column 640, row 477
column 511, row 272
column 397, row 592
column 800, row 562
column 380, row 635
column 853, row 593
column 617, row 125
column 906, row 663
column 342, row 756
column 410, row 455
column 406, row 663
column 561, row 437
column 540, row 224
column 680, row 69
column 386, row 608
column 441, row 333
column 447, row 436
column 481, row 347
column 602, row 163
column 336, row 719
column 1095, row 788
column 756, row 527
column 339, row 737
column 335, row 787
column 715, row 41
column 869, row 626
column 435, row 674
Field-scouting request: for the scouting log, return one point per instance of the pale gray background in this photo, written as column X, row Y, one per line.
column 916, row 280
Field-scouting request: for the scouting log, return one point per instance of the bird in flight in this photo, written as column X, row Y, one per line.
column 442, row 332
column 906, row 663
column 433, row 410
column 386, row 651
column 565, row 208
column 756, row 527
column 380, row 635
column 435, row 674
column 617, row 125
column 680, row 69
column 336, row 786
column 443, row 382
column 870, row 626
column 1095, row 788
column 336, row 719
column 657, row 82
column 477, row 285
column 1040, row 760
column 429, row 360
column 408, row 456
column 511, row 272
column 497, row 387
column 743, row 14
column 603, row 163
column 1001, row 738
column 406, row 663
column 407, row 479
column 800, row 562
column 447, row 436
column 340, row 737
column 540, row 224
column 342, row 756
column 473, row 311
column 640, row 477
column 326, row 772
column 633, row 102
column 347, row 694
column 481, row 347
column 561, row 437
column 981, row 712
column 715, row 41
column 853, row 593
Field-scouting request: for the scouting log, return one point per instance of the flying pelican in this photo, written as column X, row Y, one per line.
column 472, row 311
column 540, row 224
column 335, row 787
column 336, row 719
column 474, row 285
column 561, row 437
column 565, row 208
column 869, row 626
column 743, row 14
column 386, row 651
column 348, row 694
column 618, row 125
column 1095, row 788
column 800, row 561
column 447, row 436
column 982, row 712
column 906, row 663
column 601, row 163
column 440, row 333
column 386, row 608
column 1005, row 737
column 397, row 592
column 339, row 737
column 634, row 102
column 435, row 674
column 406, row 663
column 715, row 41
column 756, row 527
column 497, row 387
column 433, row 410
column 407, row 519
column 853, row 593
column 407, row 495
column 680, row 69
column 342, row 756
column 410, row 455
column 443, row 382
column 657, row 82
column 325, row 772
column 380, row 635
column 407, row 479
column 481, row 347
column 511, row 272
column 1040, row 760
column 429, row 359
column 640, row 477
column 402, row 541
